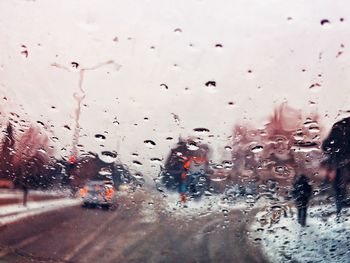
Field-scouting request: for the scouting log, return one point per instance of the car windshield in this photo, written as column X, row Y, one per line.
column 174, row 131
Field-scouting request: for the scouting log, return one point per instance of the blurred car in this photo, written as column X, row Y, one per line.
column 98, row 193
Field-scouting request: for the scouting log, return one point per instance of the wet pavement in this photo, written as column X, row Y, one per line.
column 134, row 232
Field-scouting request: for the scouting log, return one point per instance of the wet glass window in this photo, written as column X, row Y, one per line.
column 174, row 131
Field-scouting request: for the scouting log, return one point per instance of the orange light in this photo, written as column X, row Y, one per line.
column 72, row 159
column 83, row 191
column 109, row 193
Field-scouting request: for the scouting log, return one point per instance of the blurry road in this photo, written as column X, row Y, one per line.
column 136, row 232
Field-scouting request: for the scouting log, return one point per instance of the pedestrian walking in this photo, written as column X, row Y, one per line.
column 301, row 193
column 336, row 148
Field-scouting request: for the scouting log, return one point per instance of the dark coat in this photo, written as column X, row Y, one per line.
column 302, row 190
column 337, row 145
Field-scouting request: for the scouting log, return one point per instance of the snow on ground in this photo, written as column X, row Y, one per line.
column 12, row 213
column 148, row 213
column 16, row 193
column 204, row 205
column 323, row 240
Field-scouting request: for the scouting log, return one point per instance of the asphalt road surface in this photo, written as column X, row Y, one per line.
column 137, row 231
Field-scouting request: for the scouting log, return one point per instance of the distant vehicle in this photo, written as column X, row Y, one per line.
column 197, row 179
column 99, row 193
column 6, row 184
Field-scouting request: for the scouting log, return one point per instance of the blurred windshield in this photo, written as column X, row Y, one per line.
column 220, row 131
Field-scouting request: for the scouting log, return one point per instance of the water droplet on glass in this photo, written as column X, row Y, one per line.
column 210, row 83
column 156, row 160
column 201, row 130
column 41, row 123
column 257, row 149
column 324, row 22
column 24, row 51
column 192, row 146
column 108, row 156
column 149, row 143
column 228, row 148
column 138, row 175
column 136, row 162
column 315, row 85
column 100, row 137
column 164, row 86
column 74, row 64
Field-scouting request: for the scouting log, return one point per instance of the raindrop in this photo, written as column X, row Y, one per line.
column 24, row 51
column 74, row 64
column 219, row 45
column 178, row 30
column 314, row 129
column 257, row 149
column 100, row 137
column 136, row 162
column 169, row 138
column 218, row 179
column 41, row 151
column 138, row 175
column 201, row 130
column 116, row 122
column 135, row 154
column 324, row 21
column 192, row 146
column 149, row 143
column 105, row 171
column 156, row 160
column 108, row 157
column 164, row 86
column 67, row 127
column 228, row 148
column 176, row 118
column 41, row 123
column 315, row 85
column 339, row 54
column 210, row 83
column 250, row 71
column 115, row 39
column 341, row 19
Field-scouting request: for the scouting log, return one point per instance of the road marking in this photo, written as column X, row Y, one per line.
column 7, row 250
column 22, row 244
column 90, row 238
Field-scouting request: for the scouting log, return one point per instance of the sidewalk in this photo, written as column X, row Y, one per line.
column 12, row 209
column 323, row 240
